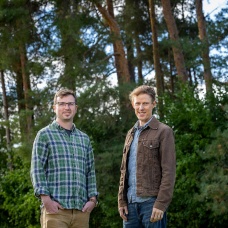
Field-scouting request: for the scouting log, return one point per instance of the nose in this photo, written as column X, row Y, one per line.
column 141, row 106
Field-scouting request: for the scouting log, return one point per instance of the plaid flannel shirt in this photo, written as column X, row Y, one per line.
column 62, row 166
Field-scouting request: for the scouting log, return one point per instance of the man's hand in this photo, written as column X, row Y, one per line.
column 88, row 207
column 51, row 206
column 156, row 215
column 123, row 212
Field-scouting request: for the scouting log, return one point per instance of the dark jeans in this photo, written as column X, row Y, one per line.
column 139, row 216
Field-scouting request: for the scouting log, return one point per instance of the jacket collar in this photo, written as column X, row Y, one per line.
column 153, row 124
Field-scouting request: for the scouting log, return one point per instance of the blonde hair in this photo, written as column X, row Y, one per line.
column 143, row 89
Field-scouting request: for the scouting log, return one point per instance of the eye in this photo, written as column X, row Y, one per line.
column 61, row 103
column 71, row 103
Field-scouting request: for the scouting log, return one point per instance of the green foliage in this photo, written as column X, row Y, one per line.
column 99, row 116
column 193, row 122
column 200, row 195
column 108, row 172
column 214, row 178
column 97, row 110
column 20, row 207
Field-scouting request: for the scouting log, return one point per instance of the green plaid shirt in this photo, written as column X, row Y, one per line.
column 62, row 166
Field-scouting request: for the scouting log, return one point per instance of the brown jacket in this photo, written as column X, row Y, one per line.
column 156, row 165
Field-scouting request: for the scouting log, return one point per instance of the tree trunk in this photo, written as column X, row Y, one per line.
column 205, row 46
column 172, row 77
column 129, row 43
column 176, row 45
column 26, row 89
column 121, row 63
column 20, row 95
column 66, row 12
column 130, row 57
column 6, row 116
column 139, row 58
column 157, row 64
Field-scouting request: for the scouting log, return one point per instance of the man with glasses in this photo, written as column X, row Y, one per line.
column 63, row 169
column 148, row 166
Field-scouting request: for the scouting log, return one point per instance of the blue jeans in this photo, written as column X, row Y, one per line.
column 139, row 216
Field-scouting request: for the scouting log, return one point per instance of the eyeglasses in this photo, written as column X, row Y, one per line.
column 63, row 104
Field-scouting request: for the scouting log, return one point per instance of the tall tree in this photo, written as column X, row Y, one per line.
column 26, row 88
column 133, row 20
column 82, row 41
column 16, row 68
column 205, row 45
column 6, row 116
column 176, row 45
column 129, row 41
column 121, row 63
column 65, row 11
column 139, row 54
column 157, row 64
column 18, row 26
column 71, row 50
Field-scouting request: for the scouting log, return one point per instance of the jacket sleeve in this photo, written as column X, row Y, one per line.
column 122, row 199
column 168, row 166
column 122, row 194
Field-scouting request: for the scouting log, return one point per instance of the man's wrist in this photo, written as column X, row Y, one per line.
column 44, row 197
column 94, row 200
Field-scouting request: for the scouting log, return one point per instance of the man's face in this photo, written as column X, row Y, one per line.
column 143, row 106
column 65, row 108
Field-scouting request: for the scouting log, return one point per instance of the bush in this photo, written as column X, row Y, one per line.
column 20, row 207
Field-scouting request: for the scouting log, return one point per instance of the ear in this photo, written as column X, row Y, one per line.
column 54, row 107
column 154, row 103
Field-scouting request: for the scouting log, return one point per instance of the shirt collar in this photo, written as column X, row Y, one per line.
column 137, row 127
column 61, row 128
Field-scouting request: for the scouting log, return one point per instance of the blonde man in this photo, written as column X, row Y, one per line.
column 148, row 166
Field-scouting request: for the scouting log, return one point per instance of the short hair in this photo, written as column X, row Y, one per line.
column 64, row 92
column 143, row 89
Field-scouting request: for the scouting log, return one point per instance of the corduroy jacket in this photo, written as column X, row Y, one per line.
column 156, row 165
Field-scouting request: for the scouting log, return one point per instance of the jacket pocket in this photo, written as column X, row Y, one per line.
column 151, row 149
column 151, row 144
